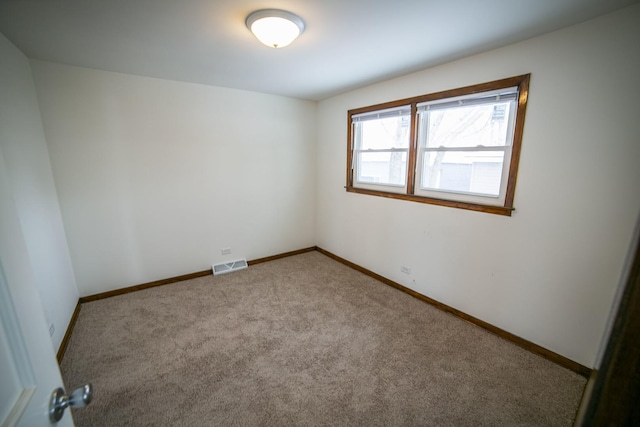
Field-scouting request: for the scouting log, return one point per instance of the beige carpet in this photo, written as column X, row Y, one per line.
column 303, row 341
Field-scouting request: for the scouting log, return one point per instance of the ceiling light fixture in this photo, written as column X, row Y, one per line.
column 275, row 28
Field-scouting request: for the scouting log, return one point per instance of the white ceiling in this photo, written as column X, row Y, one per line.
column 347, row 43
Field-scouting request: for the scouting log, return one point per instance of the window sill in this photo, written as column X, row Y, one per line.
column 498, row 210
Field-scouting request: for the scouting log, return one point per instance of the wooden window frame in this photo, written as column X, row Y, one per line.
column 521, row 82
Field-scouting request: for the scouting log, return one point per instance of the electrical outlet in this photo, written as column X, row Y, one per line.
column 405, row 270
column 226, row 251
column 52, row 329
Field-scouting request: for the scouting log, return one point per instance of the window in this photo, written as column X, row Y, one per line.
column 456, row 148
column 382, row 148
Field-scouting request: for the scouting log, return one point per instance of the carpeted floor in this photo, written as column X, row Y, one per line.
column 307, row 341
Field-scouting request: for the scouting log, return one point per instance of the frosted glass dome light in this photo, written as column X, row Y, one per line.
column 275, row 28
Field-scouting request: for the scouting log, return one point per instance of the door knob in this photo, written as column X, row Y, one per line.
column 79, row 398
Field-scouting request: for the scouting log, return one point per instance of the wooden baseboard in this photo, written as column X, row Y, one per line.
column 67, row 334
column 282, row 255
column 142, row 286
column 184, row 277
column 527, row 345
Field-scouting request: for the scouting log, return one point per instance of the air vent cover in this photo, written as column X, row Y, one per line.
column 228, row 267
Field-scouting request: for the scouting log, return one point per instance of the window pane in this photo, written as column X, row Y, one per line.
column 390, row 132
column 469, row 126
column 382, row 168
column 477, row 172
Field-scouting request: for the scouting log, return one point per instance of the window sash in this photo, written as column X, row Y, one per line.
column 424, row 111
column 461, row 195
column 390, row 186
column 424, row 118
column 383, row 171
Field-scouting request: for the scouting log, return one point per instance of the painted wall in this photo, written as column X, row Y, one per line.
column 549, row 272
column 155, row 177
column 30, row 181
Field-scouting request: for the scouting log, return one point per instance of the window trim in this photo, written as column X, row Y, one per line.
column 521, row 82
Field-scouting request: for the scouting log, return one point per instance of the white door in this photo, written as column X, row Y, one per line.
column 29, row 371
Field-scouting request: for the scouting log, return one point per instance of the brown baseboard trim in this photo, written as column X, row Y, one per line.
column 527, row 345
column 282, row 255
column 142, row 286
column 67, row 334
column 153, row 284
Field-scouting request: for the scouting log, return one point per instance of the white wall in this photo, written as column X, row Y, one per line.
column 549, row 272
column 30, row 180
column 155, row 177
